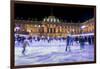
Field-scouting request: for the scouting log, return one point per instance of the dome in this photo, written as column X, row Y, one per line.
column 51, row 19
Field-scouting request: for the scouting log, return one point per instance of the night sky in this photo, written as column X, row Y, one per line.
column 64, row 13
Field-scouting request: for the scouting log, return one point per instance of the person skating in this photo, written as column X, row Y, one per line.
column 81, row 41
column 25, row 44
column 68, row 43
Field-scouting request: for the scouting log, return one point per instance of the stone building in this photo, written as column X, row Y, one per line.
column 53, row 27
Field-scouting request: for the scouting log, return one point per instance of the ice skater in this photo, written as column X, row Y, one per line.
column 81, row 41
column 68, row 43
column 25, row 44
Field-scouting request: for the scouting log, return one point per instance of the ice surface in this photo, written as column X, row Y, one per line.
column 43, row 52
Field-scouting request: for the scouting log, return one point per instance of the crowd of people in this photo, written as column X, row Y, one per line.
column 79, row 40
column 69, row 40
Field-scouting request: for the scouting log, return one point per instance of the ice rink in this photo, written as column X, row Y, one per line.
column 43, row 52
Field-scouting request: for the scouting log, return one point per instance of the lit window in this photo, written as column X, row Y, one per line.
column 51, row 20
column 48, row 19
column 38, row 25
column 54, row 20
column 35, row 25
column 57, row 20
column 44, row 20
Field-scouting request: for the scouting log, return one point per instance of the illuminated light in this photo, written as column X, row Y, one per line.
column 44, row 20
column 48, row 19
column 51, row 20
column 82, row 27
column 28, row 30
column 57, row 20
column 35, row 25
column 17, row 28
column 54, row 20
column 38, row 25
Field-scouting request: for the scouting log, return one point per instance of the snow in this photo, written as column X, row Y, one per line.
column 43, row 52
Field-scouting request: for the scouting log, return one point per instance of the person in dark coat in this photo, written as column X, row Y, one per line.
column 76, row 39
column 81, row 41
column 92, row 37
column 68, row 43
column 25, row 44
column 30, row 38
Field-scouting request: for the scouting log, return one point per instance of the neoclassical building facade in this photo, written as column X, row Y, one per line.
column 53, row 27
